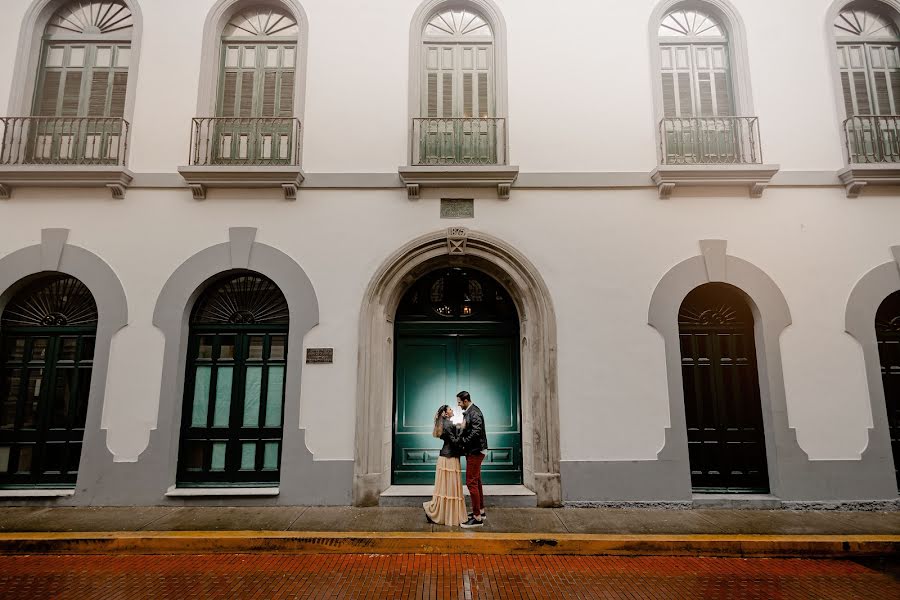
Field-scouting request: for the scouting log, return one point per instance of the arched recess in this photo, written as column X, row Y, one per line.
column 792, row 475
column 540, row 408
column 731, row 20
column 26, row 67
column 55, row 255
column 494, row 18
column 867, row 295
column 210, row 58
column 303, row 481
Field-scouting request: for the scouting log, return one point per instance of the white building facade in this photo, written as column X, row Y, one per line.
column 249, row 247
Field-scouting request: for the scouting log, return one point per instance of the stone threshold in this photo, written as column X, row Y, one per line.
column 505, row 496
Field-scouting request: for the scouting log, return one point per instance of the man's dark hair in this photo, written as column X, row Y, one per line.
column 464, row 396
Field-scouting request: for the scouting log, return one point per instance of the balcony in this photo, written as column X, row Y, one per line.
column 244, row 153
column 64, row 152
column 873, row 152
column 458, row 152
column 711, row 151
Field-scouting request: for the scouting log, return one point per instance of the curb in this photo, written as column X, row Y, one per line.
column 303, row 542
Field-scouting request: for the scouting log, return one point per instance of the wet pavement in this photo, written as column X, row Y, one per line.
column 469, row 577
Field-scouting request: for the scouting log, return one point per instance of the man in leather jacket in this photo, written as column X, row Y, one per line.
column 473, row 440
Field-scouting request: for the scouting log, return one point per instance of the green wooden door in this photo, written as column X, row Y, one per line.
column 433, row 363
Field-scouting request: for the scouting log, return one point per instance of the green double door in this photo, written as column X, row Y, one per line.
column 432, row 364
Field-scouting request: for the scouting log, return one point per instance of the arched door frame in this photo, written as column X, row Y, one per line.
column 55, row 255
column 859, row 322
column 537, row 322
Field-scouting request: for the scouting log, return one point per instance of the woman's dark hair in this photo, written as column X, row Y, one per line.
column 439, row 421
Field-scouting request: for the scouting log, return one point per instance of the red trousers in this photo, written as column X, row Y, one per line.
column 473, row 481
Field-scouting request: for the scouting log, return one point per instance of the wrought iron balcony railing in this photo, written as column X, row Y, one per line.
column 873, row 139
column 458, row 141
column 710, row 141
column 234, row 141
column 91, row 141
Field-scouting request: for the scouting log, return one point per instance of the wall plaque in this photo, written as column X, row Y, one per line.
column 319, row 356
column 457, row 208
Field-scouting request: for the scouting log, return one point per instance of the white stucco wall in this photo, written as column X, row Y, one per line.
column 580, row 100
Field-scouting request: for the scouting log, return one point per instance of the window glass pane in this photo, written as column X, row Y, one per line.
column 62, row 397
column 231, row 56
column 4, row 459
column 194, row 456
column 74, row 457
column 123, row 56
column 248, row 456
column 255, row 351
column 15, row 349
column 270, row 456
column 67, row 347
column 39, row 349
column 84, row 390
column 24, row 459
column 226, row 350
column 11, row 388
column 223, row 396
column 251, row 396
column 274, row 396
column 199, row 414
column 104, row 57
column 276, row 352
column 54, row 457
column 205, row 347
column 249, row 57
column 218, row 457
column 55, row 56
column 76, row 57
column 35, row 380
column 272, row 56
column 289, row 57
column 87, row 348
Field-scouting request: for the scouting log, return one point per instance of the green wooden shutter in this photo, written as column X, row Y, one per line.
column 675, row 64
column 854, row 78
column 440, row 76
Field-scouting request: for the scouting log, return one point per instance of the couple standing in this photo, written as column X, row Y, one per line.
column 447, row 506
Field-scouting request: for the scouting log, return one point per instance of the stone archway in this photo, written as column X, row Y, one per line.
column 374, row 403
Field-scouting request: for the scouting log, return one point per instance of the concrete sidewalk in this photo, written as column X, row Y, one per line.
column 167, row 530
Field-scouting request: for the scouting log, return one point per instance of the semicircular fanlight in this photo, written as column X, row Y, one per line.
column 457, row 23
column 887, row 318
column 690, row 23
column 242, row 300
column 59, row 301
column 865, row 23
column 260, row 21
column 91, row 17
column 713, row 305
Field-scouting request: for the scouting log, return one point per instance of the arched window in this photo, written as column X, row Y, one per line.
column 47, row 338
column 887, row 331
column 82, row 84
column 696, row 68
column 232, row 427
column 868, row 45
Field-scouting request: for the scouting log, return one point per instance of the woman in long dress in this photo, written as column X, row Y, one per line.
column 447, row 505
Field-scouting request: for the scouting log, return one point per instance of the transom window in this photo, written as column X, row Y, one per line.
column 47, row 338
column 869, row 60
column 696, row 69
column 456, row 294
column 232, row 428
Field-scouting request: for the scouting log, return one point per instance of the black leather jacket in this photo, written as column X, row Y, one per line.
column 451, row 439
column 474, row 437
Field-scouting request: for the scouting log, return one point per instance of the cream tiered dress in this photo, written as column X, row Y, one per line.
column 447, row 505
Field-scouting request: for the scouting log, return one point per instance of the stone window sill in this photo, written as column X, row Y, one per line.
column 857, row 176
column 37, row 493
column 755, row 177
column 455, row 176
column 199, row 492
column 200, row 178
column 115, row 178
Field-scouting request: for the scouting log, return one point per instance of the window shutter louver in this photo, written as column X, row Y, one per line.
column 71, row 94
column 432, row 95
column 117, row 95
column 468, row 98
column 668, row 85
column 863, row 104
column 724, row 104
column 895, row 90
column 706, row 97
column 685, row 97
column 229, row 94
column 49, row 94
column 269, row 89
column 98, row 94
column 483, row 103
column 248, row 79
column 848, row 94
column 447, row 95
column 882, row 96
column 286, row 95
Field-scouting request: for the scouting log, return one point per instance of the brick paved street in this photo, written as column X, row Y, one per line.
column 269, row 576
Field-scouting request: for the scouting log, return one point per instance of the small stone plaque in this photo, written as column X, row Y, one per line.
column 319, row 356
column 457, row 208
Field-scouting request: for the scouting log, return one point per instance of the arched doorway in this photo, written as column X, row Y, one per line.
column 887, row 332
column 723, row 411
column 456, row 329
column 47, row 337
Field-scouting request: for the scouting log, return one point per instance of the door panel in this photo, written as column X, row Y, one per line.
column 429, row 371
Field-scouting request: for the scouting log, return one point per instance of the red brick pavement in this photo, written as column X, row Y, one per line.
column 433, row 577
